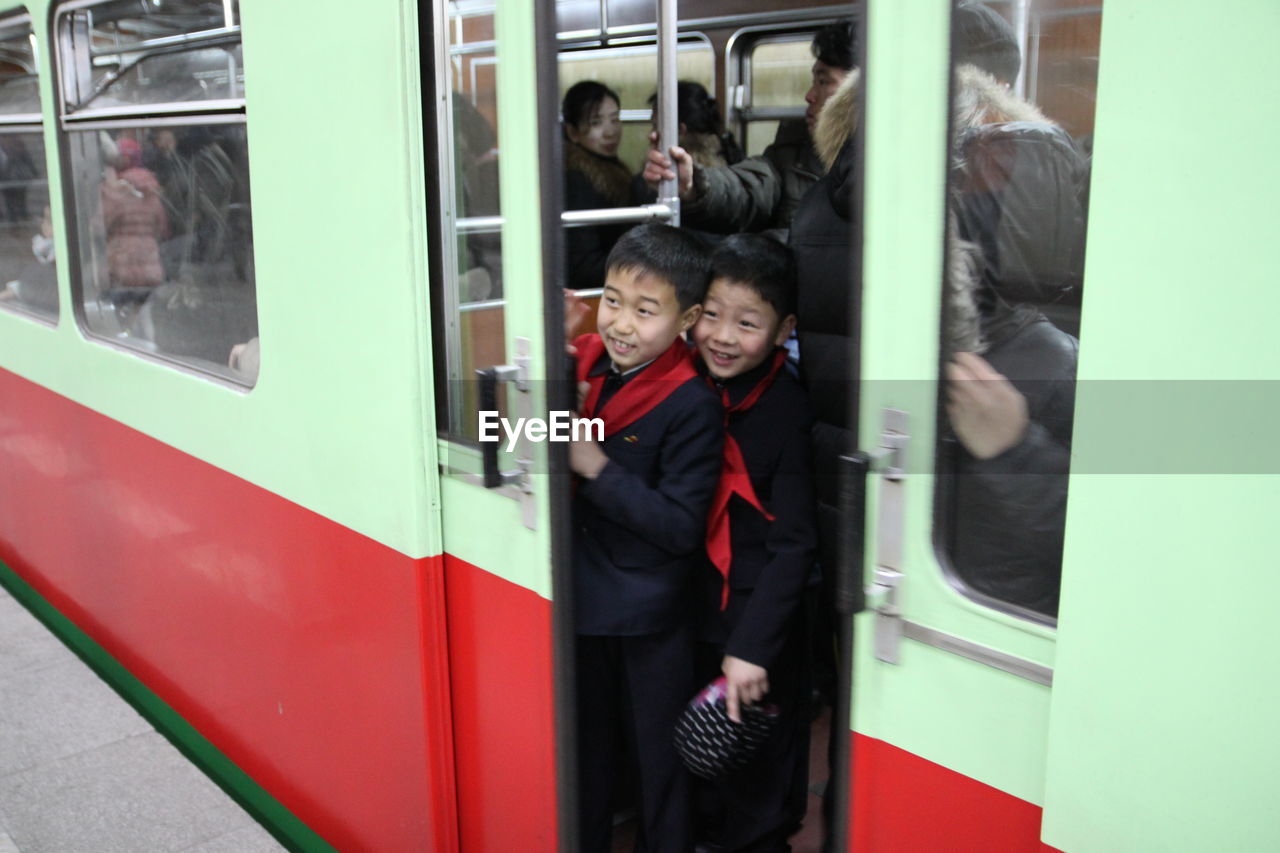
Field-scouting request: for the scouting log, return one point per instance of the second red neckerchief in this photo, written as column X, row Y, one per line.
column 640, row 395
column 734, row 480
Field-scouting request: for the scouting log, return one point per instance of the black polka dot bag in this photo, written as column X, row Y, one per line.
column 711, row 744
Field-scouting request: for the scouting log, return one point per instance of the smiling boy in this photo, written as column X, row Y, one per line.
column 639, row 515
column 761, row 539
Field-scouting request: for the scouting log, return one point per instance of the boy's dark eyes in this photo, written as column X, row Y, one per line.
column 709, row 314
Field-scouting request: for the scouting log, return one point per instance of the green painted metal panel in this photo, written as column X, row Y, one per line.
column 341, row 419
column 480, row 526
column 1165, row 701
column 978, row 721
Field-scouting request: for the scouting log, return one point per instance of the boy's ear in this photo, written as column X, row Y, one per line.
column 689, row 317
column 785, row 328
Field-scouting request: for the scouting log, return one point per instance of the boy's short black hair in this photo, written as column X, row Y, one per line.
column 673, row 254
column 764, row 265
column 833, row 45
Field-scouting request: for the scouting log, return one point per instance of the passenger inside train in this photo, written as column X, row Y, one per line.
column 594, row 176
column 639, row 509
column 760, row 192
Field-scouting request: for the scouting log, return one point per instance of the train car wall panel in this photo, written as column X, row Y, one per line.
column 341, row 415
column 1165, row 701
column 311, row 656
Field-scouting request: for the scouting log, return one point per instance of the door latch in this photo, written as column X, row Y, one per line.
column 889, row 460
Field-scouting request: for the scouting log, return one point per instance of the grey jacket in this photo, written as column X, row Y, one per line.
column 758, row 193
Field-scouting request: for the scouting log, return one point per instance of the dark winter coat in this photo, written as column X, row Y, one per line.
column 592, row 182
column 772, row 560
column 640, row 526
column 1007, row 514
column 757, row 193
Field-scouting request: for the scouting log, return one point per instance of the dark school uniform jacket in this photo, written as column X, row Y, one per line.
column 772, row 560
column 639, row 528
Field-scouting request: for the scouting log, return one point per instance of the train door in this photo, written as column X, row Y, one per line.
column 487, row 191
column 1162, row 731
column 962, row 281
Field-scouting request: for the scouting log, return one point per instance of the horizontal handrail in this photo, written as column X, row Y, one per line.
column 577, row 218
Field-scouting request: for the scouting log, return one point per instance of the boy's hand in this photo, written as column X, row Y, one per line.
column 988, row 414
column 586, row 459
column 575, row 311
column 745, row 684
column 658, row 168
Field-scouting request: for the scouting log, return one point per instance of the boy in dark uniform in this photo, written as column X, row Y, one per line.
column 761, row 540
column 639, row 514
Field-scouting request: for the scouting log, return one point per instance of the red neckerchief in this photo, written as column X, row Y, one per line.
column 734, row 480
column 639, row 396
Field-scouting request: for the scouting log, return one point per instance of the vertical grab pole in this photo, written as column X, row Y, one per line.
column 668, row 117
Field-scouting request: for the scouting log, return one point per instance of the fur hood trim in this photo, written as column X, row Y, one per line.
column 835, row 122
column 962, row 321
column 979, row 99
column 609, row 176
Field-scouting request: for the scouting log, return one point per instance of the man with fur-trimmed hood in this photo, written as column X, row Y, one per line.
column 761, row 193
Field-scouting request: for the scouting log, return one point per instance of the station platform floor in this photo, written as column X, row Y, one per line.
column 82, row 772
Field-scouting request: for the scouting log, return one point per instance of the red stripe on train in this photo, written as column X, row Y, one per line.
column 311, row 656
column 906, row 804
column 500, row 652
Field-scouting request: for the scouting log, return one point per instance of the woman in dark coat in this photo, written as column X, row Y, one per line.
column 594, row 177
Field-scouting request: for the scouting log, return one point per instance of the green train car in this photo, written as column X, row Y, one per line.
column 253, row 254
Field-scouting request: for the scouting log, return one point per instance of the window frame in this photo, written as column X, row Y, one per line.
column 26, row 123
column 140, row 116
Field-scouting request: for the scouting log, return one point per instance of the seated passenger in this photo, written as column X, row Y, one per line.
column 761, row 192
column 761, row 541
column 594, row 177
column 639, row 532
column 702, row 133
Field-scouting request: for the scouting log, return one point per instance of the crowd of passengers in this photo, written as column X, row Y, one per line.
column 705, row 522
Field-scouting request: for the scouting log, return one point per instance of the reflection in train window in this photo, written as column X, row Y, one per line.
column 1017, row 205
column 470, row 324
column 28, row 277
column 152, row 112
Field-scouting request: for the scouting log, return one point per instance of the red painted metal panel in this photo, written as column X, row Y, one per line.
column 504, row 729
column 312, row 656
column 903, row 803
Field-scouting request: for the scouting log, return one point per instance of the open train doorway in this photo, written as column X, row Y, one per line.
column 738, row 89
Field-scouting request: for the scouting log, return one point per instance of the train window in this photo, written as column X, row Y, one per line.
column 470, row 323
column 28, row 281
column 778, row 73
column 1017, row 200
column 630, row 72
column 151, row 108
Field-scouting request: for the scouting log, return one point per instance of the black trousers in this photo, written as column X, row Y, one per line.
column 630, row 692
